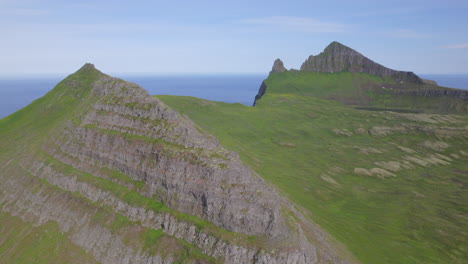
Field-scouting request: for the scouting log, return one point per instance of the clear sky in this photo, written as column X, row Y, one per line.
column 49, row 37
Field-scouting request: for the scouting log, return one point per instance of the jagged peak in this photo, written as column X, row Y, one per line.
column 337, row 57
column 278, row 66
column 336, row 47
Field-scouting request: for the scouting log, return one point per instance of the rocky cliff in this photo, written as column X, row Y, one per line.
column 338, row 58
column 112, row 166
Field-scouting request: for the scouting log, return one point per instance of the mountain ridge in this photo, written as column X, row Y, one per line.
column 340, row 61
column 112, row 145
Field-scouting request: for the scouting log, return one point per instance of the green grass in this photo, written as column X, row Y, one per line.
column 361, row 89
column 415, row 217
column 152, row 236
column 21, row 242
column 25, row 130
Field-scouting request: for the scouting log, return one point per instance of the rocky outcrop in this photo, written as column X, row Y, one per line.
column 278, row 66
column 338, row 58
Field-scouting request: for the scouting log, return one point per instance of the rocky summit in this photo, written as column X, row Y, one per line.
column 338, row 58
column 278, row 66
column 126, row 179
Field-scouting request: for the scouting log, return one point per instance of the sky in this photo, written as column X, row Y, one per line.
column 192, row 37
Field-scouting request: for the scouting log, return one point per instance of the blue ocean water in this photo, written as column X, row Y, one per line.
column 225, row 88
column 17, row 93
column 459, row 81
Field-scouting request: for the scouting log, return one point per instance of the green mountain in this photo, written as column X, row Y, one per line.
column 379, row 163
column 344, row 161
column 98, row 170
column 342, row 74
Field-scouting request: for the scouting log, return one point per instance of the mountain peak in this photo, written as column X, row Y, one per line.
column 340, row 58
column 87, row 66
column 336, row 47
column 278, row 66
column 335, row 44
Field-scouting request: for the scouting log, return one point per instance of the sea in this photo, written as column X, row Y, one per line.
column 16, row 93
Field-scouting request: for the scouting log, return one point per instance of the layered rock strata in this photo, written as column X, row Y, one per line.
column 338, row 58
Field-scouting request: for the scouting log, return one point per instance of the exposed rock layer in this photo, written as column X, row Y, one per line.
column 337, row 58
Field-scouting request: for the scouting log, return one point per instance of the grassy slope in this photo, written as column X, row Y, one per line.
column 415, row 217
column 20, row 242
column 26, row 129
column 362, row 89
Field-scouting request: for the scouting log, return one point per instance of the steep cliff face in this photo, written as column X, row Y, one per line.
column 99, row 145
column 338, row 58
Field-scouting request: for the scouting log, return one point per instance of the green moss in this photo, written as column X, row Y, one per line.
column 152, row 236
column 119, row 222
column 21, row 242
column 122, row 178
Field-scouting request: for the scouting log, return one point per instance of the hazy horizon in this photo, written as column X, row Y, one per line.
column 178, row 74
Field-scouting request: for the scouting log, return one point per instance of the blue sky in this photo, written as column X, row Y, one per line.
column 50, row 37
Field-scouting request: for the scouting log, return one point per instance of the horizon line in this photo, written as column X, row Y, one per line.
column 132, row 74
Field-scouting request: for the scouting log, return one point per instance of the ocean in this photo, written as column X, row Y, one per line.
column 17, row 93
